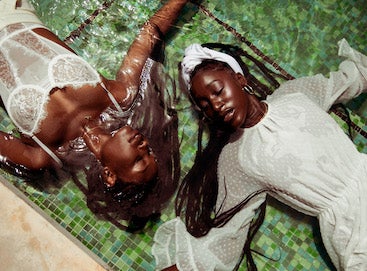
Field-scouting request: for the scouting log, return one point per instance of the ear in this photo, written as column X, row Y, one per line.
column 109, row 177
column 241, row 79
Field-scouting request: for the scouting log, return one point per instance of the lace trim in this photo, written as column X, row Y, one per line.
column 26, row 107
column 6, row 76
column 71, row 70
column 14, row 27
column 32, row 43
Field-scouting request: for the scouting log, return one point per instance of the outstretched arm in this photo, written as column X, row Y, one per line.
column 142, row 47
column 339, row 87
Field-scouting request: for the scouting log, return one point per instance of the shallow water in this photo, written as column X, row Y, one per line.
column 300, row 36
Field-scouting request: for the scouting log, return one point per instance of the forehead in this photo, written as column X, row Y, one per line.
column 204, row 79
column 210, row 69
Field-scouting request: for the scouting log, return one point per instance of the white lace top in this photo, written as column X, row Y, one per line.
column 299, row 153
column 30, row 67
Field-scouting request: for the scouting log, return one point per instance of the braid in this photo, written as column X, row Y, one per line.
column 199, row 188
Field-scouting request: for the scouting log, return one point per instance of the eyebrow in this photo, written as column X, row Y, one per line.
column 214, row 81
column 201, row 97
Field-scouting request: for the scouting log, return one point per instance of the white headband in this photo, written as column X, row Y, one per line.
column 195, row 54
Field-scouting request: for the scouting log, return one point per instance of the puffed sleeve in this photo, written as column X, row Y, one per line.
column 220, row 249
column 348, row 82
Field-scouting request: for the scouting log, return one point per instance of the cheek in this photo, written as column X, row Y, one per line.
column 236, row 92
column 238, row 97
column 119, row 156
column 239, row 120
column 240, row 104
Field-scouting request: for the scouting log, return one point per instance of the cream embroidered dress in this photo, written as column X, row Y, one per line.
column 300, row 154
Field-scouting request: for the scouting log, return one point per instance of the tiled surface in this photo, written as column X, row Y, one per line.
column 300, row 35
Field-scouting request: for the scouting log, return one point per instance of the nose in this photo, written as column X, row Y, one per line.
column 217, row 103
column 143, row 145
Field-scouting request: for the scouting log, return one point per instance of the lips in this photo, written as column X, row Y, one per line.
column 228, row 115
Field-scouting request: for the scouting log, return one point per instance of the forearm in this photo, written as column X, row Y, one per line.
column 165, row 17
column 141, row 49
column 153, row 30
column 18, row 152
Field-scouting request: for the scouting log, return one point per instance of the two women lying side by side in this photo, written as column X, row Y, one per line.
column 286, row 146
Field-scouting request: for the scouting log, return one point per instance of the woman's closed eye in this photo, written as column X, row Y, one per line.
column 218, row 91
column 216, row 87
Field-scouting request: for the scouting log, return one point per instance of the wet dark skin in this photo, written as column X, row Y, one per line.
column 139, row 163
column 221, row 97
column 70, row 112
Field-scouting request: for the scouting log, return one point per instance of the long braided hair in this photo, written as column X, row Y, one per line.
column 197, row 194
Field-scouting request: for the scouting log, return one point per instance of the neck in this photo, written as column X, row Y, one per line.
column 256, row 111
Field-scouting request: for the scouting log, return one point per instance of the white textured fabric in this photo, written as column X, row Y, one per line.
column 10, row 14
column 195, row 54
column 300, row 153
column 31, row 66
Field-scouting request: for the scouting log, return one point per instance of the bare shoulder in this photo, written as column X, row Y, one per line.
column 51, row 36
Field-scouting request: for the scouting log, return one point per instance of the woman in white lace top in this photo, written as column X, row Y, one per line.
column 286, row 146
column 54, row 97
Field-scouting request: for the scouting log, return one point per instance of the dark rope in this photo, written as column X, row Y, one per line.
column 243, row 39
column 76, row 33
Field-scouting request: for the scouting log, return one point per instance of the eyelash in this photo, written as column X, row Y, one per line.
column 218, row 92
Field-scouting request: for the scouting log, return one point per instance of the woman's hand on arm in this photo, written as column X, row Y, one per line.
column 150, row 35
